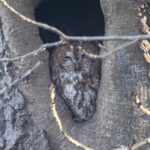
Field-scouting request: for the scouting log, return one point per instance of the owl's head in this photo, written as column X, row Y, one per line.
column 71, row 58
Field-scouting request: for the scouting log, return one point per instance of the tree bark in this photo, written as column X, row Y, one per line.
column 26, row 108
column 26, row 120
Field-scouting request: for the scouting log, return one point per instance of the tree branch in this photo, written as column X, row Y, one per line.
column 108, row 53
column 20, row 78
column 107, row 38
column 139, row 144
column 33, row 53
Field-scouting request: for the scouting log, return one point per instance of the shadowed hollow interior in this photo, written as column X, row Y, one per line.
column 73, row 17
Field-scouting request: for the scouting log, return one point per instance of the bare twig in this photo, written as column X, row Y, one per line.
column 33, row 53
column 107, row 38
column 139, row 144
column 75, row 38
column 108, row 53
column 136, row 145
column 20, row 78
column 59, row 123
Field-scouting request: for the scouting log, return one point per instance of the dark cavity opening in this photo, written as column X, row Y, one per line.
column 73, row 17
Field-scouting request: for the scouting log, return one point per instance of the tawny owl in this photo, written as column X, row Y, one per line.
column 76, row 77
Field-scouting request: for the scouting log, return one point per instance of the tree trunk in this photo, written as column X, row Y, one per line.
column 26, row 120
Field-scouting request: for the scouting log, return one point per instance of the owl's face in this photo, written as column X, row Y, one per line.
column 71, row 58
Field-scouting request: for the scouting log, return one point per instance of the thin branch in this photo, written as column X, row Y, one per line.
column 33, row 53
column 107, row 38
column 135, row 146
column 20, row 78
column 75, row 38
column 139, row 144
column 59, row 123
column 41, row 25
column 109, row 53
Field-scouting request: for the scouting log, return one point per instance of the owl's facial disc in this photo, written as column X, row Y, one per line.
column 73, row 60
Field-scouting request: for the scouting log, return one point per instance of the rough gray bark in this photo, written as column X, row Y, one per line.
column 22, row 125
column 26, row 120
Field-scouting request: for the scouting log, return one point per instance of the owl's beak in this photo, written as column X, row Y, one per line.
column 77, row 67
